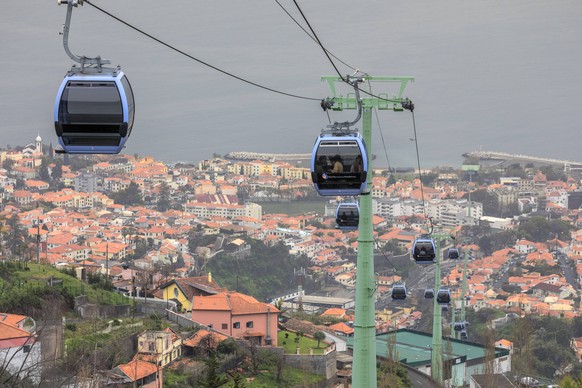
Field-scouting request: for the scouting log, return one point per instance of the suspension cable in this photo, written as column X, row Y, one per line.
column 196, row 59
column 308, row 34
column 418, row 162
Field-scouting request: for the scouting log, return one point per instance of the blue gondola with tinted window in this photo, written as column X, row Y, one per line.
column 444, row 296
column 339, row 164
column 464, row 335
column 398, row 292
column 94, row 108
column 94, row 112
column 347, row 216
column 429, row 293
column 453, row 253
column 424, row 250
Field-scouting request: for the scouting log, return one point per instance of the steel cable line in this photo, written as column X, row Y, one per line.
column 196, row 59
column 308, row 34
column 381, row 133
column 418, row 162
column 331, row 61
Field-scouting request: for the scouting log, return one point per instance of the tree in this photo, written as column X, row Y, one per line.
column 319, row 336
column 8, row 164
column 489, row 201
column 535, row 229
column 57, row 172
column 129, row 196
column 43, row 172
column 163, row 203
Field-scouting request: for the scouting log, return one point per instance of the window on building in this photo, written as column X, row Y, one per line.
column 236, row 325
column 224, row 326
column 250, row 324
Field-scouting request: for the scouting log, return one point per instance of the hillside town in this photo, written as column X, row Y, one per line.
column 174, row 240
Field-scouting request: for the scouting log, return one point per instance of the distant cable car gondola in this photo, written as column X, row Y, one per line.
column 339, row 164
column 429, row 293
column 347, row 216
column 459, row 326
column 444, row 296
column 424, row 250
column 453, row 253
column 399, row 291
column 464, row 335
column 94, row 107
column 94, row 112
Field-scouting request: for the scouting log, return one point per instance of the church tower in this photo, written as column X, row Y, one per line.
column 38, row 144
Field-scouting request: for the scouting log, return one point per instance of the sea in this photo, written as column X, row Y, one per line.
column 489, row 75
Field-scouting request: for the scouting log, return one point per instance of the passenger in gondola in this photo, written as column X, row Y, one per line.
column 357, row 166
column 338, row 167
column 321, row 166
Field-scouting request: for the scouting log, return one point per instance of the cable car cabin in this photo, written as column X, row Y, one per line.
column 347, row 216
column 399, row 292
column 429, row 293
column 443, row 296
column 424, row 250
column 459, row 326
column 453, row 253
column 94, row 112
column 464, row 335
column 339, row 164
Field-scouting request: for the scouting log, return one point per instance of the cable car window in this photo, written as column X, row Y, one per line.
column 130, row 101
column 91, row 102
column 91, row 140
column 339, row 157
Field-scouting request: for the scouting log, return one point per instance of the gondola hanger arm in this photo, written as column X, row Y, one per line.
column 83, row 60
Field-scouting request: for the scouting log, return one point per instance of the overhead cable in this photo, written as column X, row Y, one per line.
column 311, row 36
column 196, row 59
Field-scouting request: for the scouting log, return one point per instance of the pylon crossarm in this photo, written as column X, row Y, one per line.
column 395, row 95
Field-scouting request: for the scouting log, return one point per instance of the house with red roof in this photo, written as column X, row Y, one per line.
column 160, row 347
column 136, row 373
column 238, row 315
column 19, row 349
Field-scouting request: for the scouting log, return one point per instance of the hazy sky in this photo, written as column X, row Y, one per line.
column 503, row 76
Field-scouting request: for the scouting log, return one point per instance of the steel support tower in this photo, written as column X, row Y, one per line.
column 364, row 366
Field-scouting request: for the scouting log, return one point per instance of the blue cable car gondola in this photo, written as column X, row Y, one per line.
column 94, row 111
column 399, row 291
column 429, row 293
column 453, row 253
column 347, row 216
column 459, row 326
column 424, row 250
column 444, row 296
column 464, row 335
column 339, row 164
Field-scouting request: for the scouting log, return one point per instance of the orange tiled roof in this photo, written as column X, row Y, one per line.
column 197, row 337
column 231, row 300
column 138, row 369
column 342, row 328
column 8, row 332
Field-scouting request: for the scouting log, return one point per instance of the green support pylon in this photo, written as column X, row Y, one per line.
column 364, row 355
column 436, row 365
column 464, row 294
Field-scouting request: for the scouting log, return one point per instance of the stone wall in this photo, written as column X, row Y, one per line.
column 86, row 310
column 324, row 365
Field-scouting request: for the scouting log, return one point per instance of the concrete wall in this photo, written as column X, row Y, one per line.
column 324, row 365
column 86, row 310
